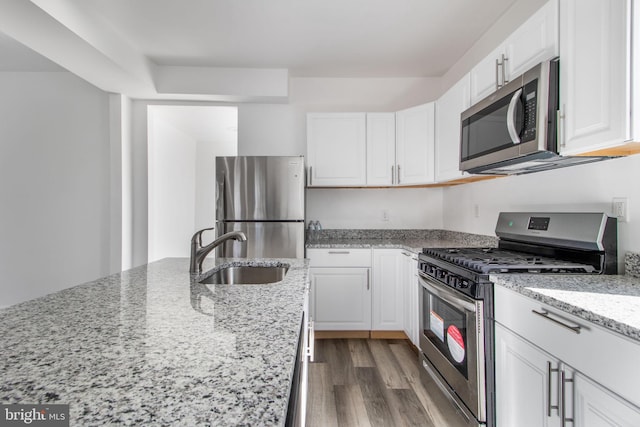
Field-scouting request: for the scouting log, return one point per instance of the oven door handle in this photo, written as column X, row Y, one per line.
column 459, row 301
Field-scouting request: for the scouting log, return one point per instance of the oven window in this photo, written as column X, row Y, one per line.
column 445, row 327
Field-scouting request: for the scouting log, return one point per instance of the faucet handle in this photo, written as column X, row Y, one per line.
column 197, row 237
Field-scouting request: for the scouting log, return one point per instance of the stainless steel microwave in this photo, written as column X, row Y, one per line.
column 514, row 129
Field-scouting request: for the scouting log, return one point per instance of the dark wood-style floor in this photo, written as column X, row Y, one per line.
column 365, row 382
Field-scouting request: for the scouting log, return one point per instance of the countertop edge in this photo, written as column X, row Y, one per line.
column 511, row 282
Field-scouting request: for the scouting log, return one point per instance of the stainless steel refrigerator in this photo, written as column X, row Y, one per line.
column 262, row 196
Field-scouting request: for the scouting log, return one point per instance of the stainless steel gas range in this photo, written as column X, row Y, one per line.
column 456, row 295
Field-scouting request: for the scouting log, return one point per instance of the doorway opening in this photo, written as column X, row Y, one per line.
column 183, row 142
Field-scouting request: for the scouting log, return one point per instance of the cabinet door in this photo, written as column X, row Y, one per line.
column 526, row 393
column 486, row 75
column 533, row 42
column 448, row 110
column 594, row 75
column 596, row 406
column 381, row 148
column 387, row 290
column 341, row 298
column 336, row 149
column 415, row 145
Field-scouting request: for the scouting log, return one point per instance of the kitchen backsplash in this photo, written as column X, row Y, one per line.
column 632, row 264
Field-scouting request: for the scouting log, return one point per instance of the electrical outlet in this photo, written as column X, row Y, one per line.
column 385, row 215
column 620, row 209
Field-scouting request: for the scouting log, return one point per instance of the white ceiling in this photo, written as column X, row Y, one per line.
column 309, row 38
column 337, row 38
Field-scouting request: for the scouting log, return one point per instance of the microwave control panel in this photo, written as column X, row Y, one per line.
column 530, row 102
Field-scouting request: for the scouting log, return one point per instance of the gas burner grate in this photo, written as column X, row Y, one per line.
column 496, row 260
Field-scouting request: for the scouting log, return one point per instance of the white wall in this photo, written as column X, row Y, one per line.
column 54, row 184
column 408, row 208
column 183, row 142
column 172, row 179
column 587, row 188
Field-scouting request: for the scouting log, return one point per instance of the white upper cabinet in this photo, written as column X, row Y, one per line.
column 415, row 145
column 381, row 149
column 336, row 149
column 595, row 75
column 534, row 41
column 371, row 149
column 447, row 141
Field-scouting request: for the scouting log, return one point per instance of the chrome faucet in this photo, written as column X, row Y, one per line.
column 199, row 252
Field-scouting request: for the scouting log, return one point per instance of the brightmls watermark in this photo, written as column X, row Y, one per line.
column 34, row 415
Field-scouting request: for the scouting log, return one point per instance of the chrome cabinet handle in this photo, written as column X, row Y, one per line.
column 549, row 406
column 511, row 117
column 497, row 78
column 560, row 121
column 339, row 252
column 393, row 171
column 310, row 176
column 546, row 314
column 563, row 389
column 504, row 73
column 311, row 346
column 398, row 180
column 368, row 281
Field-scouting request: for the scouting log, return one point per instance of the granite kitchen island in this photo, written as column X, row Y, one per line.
column 149, row 346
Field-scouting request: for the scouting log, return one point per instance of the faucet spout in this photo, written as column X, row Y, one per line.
column 199, row 252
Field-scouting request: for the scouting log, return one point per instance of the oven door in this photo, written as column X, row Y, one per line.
column 452, row 340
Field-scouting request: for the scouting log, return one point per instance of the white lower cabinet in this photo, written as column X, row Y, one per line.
column 565, row 372
column 340, row 289
column 341, row 298
column 524, row 392
column 364, row 289
column 387, row 290
column 594, row 405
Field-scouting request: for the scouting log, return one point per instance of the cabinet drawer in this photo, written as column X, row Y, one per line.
column 607, row 357
column 339, row 257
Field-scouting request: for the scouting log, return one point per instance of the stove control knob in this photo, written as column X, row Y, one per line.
column 464, row 284
column 454, row 281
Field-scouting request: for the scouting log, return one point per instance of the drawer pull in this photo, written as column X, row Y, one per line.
column 339, row 252
column 544, row 313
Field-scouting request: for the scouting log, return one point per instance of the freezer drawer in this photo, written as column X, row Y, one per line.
column 264, row 240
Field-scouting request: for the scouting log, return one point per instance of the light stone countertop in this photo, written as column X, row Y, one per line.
column 611, row 301
column 411, row 240
column 150, row 347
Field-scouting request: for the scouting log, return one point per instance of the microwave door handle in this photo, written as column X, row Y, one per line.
column 511, row 117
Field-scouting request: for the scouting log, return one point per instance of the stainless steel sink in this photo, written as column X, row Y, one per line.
column 247, row 275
